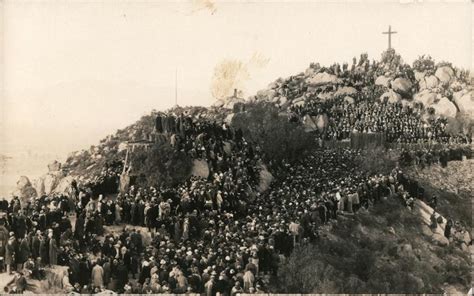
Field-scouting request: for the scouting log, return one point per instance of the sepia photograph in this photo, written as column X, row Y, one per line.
column 236, row 147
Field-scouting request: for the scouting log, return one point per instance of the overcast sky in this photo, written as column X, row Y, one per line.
column 76, row 71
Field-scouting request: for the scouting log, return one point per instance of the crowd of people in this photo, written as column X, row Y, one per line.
column 399, row 123
column 208, row 235
column 425, row 157
column 196, row 246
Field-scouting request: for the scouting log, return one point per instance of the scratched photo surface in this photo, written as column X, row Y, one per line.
column 236, row 147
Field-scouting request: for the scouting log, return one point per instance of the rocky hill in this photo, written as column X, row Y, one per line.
column 454, row 186
column 356, row 253
column 104, row 160
column 440, row 86
column 385, row 250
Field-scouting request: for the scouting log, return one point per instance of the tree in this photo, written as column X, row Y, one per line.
column 160, row 165
column 378, row 160
column 279, row 139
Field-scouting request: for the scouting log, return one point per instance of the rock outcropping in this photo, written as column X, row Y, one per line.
column 25, row 190
column 266, row 179
column 436, row 234
column 200, row 168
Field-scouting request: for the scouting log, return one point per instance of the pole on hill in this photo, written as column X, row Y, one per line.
column 389, row 33
column 176, row 87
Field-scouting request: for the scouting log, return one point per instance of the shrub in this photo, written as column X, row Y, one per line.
column 278, row 138
column 364, row 262
column 304, row 272
column 160, row 165
column 378, row 160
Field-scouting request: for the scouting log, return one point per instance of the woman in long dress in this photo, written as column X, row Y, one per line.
column 53, row 250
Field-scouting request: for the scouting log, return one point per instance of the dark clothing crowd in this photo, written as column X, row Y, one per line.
column 208, row 235
column 425, row 157
column 399, row 123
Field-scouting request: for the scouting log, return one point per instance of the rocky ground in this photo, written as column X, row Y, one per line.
column 454, row 187
column 457, row 177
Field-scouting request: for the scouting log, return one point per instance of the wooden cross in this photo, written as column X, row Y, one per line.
column 390, row 32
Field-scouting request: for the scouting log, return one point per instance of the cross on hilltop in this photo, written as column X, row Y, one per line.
column 389, row 33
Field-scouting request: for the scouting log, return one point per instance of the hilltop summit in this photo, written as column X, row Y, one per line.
column 439, row 86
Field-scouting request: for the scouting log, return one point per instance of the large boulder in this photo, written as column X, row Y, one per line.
column 298, row 101
column 200, row 168
column 465, row 101
column 440, row 239
column 349, row 100
column 64, row 185
column 426, row 97
column 282, row 100
column 323, row 78
column 326, row 95
column 419, row 76
column 267, row 94
column 309, row 123
column 219, row 103
column 345, row 91
column 406, row 250
column 50, row 181
column 38, row 184
column 273, row 85
column 444, row 107
column 445, row 74
column 25, row 190
column 229, row 118
column 322, row 121
column 391, row 96
column 425, row 211
column 431, row 82
column 122, row 146
column 309, row 72
column 402, row 86
column 227, row 103
column 55, row 166
column 383, row 81
column 407, row 103
column 230, row 102
column 266, row 179
column 271, row 94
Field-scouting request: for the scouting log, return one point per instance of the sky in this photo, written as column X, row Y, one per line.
column 76, row 71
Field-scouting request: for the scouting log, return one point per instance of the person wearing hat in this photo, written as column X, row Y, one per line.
column 97, row 275
column 209, row 286
column 181, row 282
column 10, row 252
column 249, row 280
column 23, row 252
column 53, row 249
column 121, row 275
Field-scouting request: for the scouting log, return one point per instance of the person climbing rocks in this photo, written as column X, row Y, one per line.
column 447, row 229
column 434, row 222
column 434, row 202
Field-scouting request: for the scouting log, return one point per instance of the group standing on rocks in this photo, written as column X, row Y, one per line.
column 208, row 235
